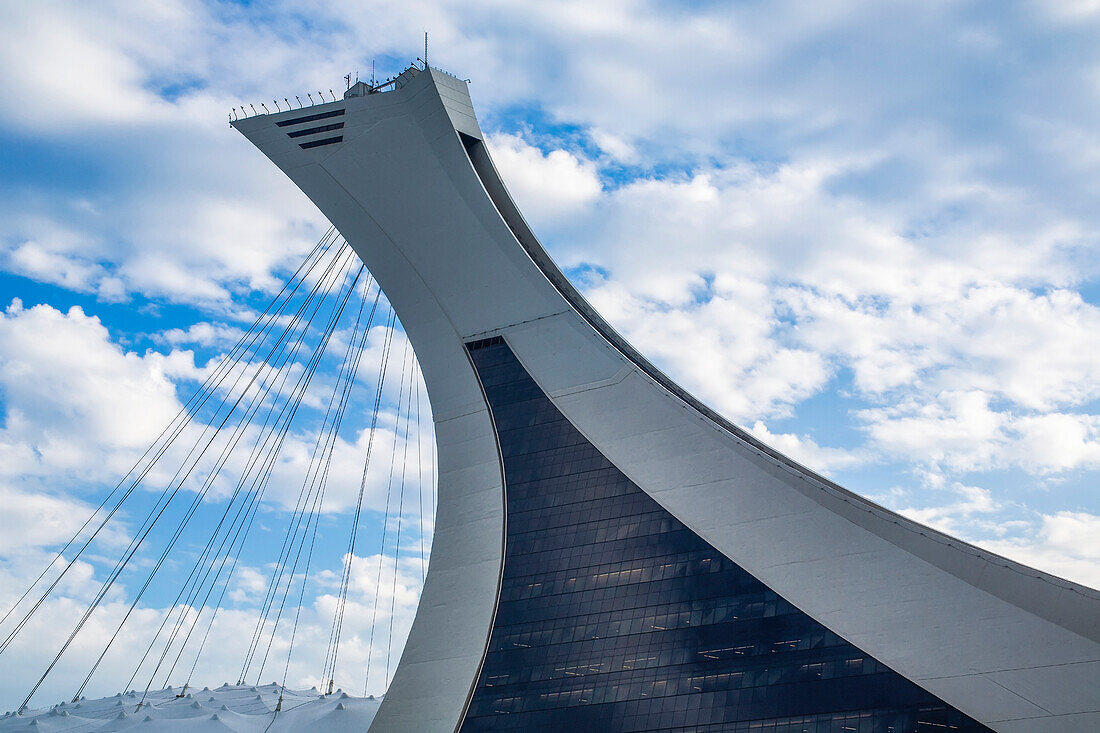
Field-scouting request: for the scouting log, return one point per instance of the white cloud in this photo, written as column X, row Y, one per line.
column 1028, row 348
column 819, row 193
column 389, row 452
column 74, row 66
column 1065, row 543
column 111, row 400
column 805, row 450
column 745, row 372
column 546, row 186
column 134, row 90
column 77, row 405
column 369, row 599
column 762, row 308
column 619, row 150
column 968, row 502
column 35, row 261
column 78, row 410
column 203, row 333
column 1069, row 10
column 960, row 431
column 38, row 520
column 249, row 585
column 1056, row 442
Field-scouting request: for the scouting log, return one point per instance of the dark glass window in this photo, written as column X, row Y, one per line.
column 319, row 143
column 315, row 130
column 614, row 616
column 311, row 118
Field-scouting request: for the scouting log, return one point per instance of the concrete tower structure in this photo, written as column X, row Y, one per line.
column 609, row 553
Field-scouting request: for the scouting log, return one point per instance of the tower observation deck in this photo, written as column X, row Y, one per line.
column 609, row 553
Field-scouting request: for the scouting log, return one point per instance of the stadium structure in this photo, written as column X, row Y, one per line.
column 612, row 555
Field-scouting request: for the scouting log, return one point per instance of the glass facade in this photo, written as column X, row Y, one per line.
column 614, row 616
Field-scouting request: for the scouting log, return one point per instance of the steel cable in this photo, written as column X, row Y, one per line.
column 329, row 670
column 186, row 413
column 159, row 507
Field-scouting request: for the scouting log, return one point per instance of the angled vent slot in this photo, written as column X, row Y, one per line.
column 319, row 143
column 311, row 118
column 314, row 130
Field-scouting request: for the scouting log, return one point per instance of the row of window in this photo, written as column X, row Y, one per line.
column 612, row 671
column 695, row 612
column 704, row 651
column 616, row 597
column 673, row 543
column 584, row 516
column 582, row 506
column 591, row 534
column 575, row 488
column 613, row 616
column 930, row 720
column 763, row 692
column 560, row 631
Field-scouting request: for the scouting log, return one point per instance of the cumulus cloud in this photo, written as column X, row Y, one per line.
column 961, row 431
column 546, row 186
column 967, row 502
column 35, row 261
column 41, row 44
column 78, row 407
column 202, row 334
column 1025, row 347
column 773, row 204
column 805, row 450
column 1065, row 543
column 372, row 595
column 75, row 403
column 37, row 520
column 764, row 308
column 746, row 372
column 189, row 228
column 399, row 463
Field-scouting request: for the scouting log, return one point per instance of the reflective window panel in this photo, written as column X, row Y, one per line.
column 614, row 616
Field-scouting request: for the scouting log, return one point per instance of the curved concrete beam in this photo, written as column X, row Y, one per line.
column 410, row 185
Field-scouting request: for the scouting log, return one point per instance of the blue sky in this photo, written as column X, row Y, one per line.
column 866, row 231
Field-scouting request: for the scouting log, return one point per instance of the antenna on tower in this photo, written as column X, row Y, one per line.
column 373, row 81
column 347, row 78
column 425, row 50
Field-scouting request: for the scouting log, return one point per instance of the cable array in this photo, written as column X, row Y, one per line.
column 191, row 502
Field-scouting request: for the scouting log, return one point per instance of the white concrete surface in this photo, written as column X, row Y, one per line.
column 1009, row 645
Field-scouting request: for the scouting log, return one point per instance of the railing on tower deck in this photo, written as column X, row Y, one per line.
column 240, row 113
